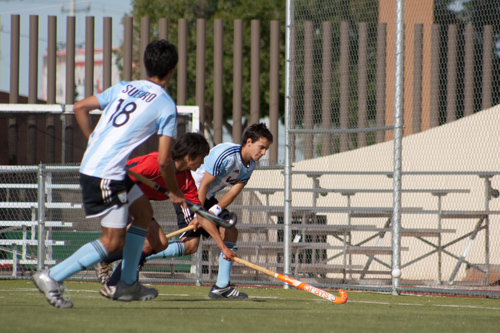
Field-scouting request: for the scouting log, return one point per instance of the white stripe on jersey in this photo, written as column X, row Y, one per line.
column 133, row 111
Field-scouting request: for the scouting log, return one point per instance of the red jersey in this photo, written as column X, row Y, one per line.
column 147, row 165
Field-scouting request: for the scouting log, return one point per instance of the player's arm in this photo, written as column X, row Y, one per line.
column 205, row 183
column 82, row 113
column 233, row 192
column 166, row 166
column 214, row 232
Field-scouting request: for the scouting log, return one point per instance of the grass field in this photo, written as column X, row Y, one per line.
column 189, row 309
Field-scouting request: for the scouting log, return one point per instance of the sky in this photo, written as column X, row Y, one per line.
column 99, row 9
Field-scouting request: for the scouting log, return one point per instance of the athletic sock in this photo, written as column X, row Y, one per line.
column 225, row 267
column 86, row 256
column 134, row 241
column 174, row 249
column 117, row 273
column 114, row 257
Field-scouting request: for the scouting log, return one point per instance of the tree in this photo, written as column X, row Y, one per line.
column 228, row 11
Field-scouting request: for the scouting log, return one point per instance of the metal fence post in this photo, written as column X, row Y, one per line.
column 41, row 215
column 199, row 267
column 398, row 140
column 14, row 260
column 288, row 146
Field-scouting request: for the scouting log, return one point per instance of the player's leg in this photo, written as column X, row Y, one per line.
column 102, row 267
column 101, row 198
column 155, row 238
column 178, row 248
column 222, row 288
column 191, row 244
column 49, row 281
column 129, row 288
column 155, row 241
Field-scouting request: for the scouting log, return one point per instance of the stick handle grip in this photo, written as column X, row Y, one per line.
column 180, row 231
column 253, row 266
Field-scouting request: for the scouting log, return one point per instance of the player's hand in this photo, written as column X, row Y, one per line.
column 178, row 198
column 228, row 254
column 195, row 223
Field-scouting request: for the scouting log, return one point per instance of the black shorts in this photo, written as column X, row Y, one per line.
column 182, row 223
column 100, row 195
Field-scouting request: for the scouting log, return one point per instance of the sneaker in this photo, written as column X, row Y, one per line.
column 135, row 292
column 102, row 271
column 107, row 291
column 226, row 293
column 52, row 289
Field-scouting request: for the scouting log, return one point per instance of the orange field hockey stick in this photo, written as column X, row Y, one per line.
column 298, row 284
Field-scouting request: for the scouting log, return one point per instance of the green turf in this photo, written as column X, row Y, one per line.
column 188, row 309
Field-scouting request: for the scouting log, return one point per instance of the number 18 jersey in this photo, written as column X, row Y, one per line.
column 132, row 112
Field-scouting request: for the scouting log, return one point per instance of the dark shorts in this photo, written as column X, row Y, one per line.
column 182, row 223
column 100, row 195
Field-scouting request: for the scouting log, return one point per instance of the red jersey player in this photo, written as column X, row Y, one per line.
column 188, row 154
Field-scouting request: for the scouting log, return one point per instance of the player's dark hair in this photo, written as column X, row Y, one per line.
column 159, row 58
column 255, row 132
column 191, row 144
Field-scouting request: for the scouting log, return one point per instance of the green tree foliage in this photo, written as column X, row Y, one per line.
column 228, row 11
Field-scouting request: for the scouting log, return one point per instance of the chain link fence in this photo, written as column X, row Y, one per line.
column 343, row 107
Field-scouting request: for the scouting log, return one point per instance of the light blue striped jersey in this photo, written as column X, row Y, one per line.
column 225, row 163
column 132, row 112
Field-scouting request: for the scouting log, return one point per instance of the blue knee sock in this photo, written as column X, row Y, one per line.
column 225, row 267
column 174, row 249
column 134, row 241
column 86, row 256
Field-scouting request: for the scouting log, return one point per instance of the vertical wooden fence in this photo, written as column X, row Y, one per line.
column 31, row 139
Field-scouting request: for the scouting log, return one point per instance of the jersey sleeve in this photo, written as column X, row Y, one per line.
column 216, row 164
column 168, row 118
column 245, row 179
column 108, row 95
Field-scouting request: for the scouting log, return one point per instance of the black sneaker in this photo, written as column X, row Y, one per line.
column 226, row 293
column 134, row 292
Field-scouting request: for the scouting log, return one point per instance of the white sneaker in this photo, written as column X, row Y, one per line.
column 52, row 289
column 135, row 292
column 107, row 291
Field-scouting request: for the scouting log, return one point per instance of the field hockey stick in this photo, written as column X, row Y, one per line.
column 180, row 231
column 298, row 284
column 193, row 207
